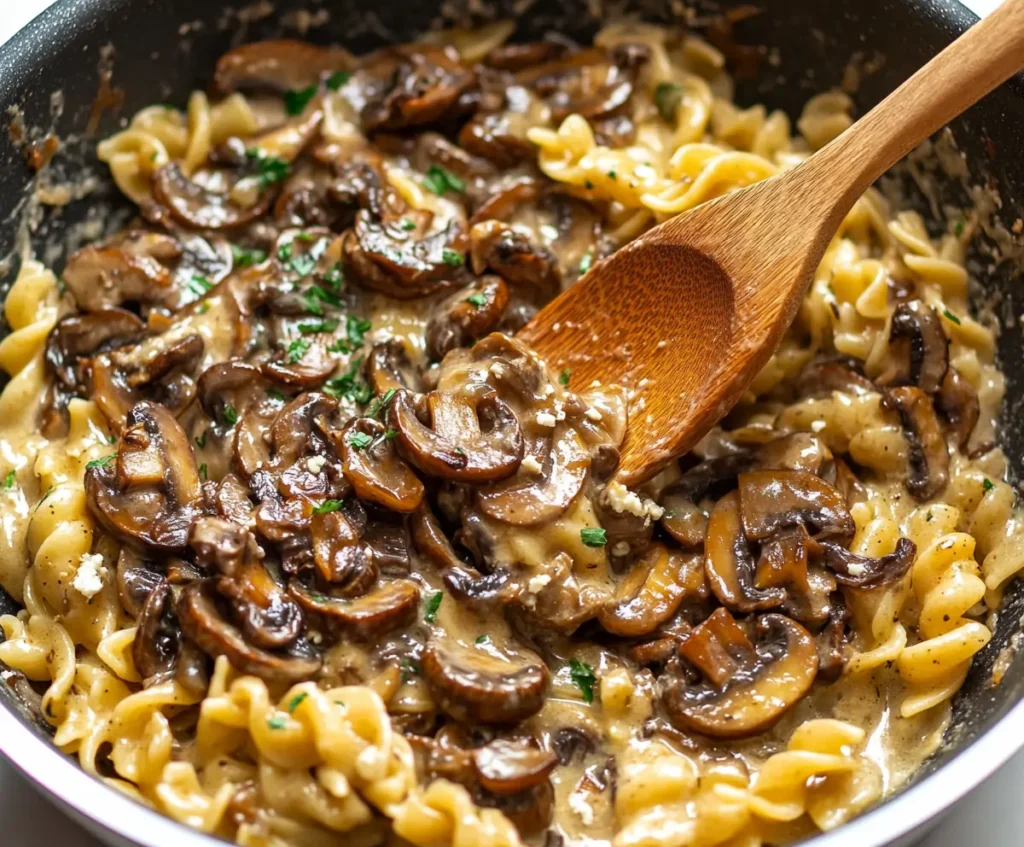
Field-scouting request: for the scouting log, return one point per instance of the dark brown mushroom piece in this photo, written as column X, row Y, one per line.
column 388, row 607
column 743, row 687
column 683, row 519
column 500, row 134
column 512, row 254
column 79, row 336
column 157, row 636
column 832, row 654
column 652, row 591
column 919, row 348
column 475, row 685
column 340, row 556
column 511, row 765
column 204, row 623
column 228, row 391
column 151, row 493
column 372, row 466
column 928, row 459
column 388, row 368
column 821, row 377
column 473, row 436
column 278, row 65
column 797, row 451
column 135, row 581
column 387, row 537
column 270, row 438
column 847, row 483
column 771, row 500
column 105, row 277
column 957, row 399
column 189, row 204
column 518, row 57
column 303, row 367
column 470, row 313
column 856, row 571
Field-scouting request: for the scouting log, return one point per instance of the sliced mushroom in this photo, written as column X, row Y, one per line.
column 746, row 687
column 530, row 499
column 78, row 336
column 279, row 65
column 341, row 557
column 511, row 765
column 315, row 365
column 484, row 686
column 388, row 368
column 797, row 451
column 371, row 464
column 832, row 643
column 473, row 437
column 513, row 255
column 267, row 617
column 135, row 581
column 958, row 401
column 916, row 336
column 219, row 545
column 652, row 591
column 928, row 459
column 857, row 571
column 683, row 519
column 151, row 494
column 204, row 624
column 470, row 313
column 823, row 376
column 232, row 385
column 157, row 636
column 389, row 606
column 192, row 205
column 772, row 500
column 104, row 277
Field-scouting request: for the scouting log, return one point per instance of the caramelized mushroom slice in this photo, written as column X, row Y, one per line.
column 537, row 498
column 339, row 554
column 157, row 636
column 278, row 65
column 310, row 371
column 958, row 401
column 823, row 376
column 104, row 277
column 204, row 624
column 268, row 618
column 78, row 336
column 511, row 765
column 652, row 591
column 928, row 459
column 916, row 336
column 372, row 465
column 389, row 606
column 151, row 494
column 683, row 519
column 772, row 500
column 135, row 581
column 232, row 384
column 474, row 436
column 192, row 205
column 797, row 451
column 510, row 253
column 746, row 687
column 388, row 369
column 475, row 685
column 470, row 313
column 857, row 571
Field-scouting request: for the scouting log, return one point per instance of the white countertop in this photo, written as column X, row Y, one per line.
column 992, row 816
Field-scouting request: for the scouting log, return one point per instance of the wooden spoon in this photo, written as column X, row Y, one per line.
column 688, row 313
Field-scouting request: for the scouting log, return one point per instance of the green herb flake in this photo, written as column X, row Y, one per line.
column 296, row 101
column 409, row 669
column 338, row 79
column 199, row 285
column 334, row 278
column 245, row 258
column 293, row 704
column 203, row 472
column 460, row 451
column 303, row 265
column 612, row 175
column 201, row 440
column 284, row 252
column 327, row 506
column 323, row 295
column 360, row 440
column 586, row 263
column 10, row 479
column 102, row 462
column 441, row 181
column 667, row 97
column 271, row 169
column 587, row 184
column 277, row 722
column 958, row 227
column 297, row 349
column 564, row 377
column 348, row 386
column 988, row 485
column 482, row 639
column 593, row 537
column 356, row 328
column 274, row 394
column 951, row 316
column 317, row 326
column 407, row 225
column 583, row 677
column 230, row 415
column 203, row 308
column 478, row 300
column 433, row 604
column 452, row 258
column 381, row 403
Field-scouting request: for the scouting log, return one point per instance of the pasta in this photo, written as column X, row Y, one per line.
column 312, row 551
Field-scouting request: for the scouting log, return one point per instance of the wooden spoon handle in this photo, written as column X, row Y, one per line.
column 968, row 69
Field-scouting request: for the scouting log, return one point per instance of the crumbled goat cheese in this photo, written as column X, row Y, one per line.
column 530, row 464
column 548, row 389
column 621, row 549
column 316, row 464
column 546, row 419
column 593, row 414
column 584, row 811
column 559, row 411
column 537, row 583
column 621, row 499
column 88, row 580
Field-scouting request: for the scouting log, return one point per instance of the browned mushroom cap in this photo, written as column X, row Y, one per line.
column 280, row 65
column 730, row 565
column 857, row 571
column 529, row 499
column 511, row 765
column 78, row 336
column 928, row 459
column 474, row 436
column 746, row 688
column 295, row 427
column 219, row 545
column 512, row 254
column 204, row 624
column 797, row 451
column 518, row 57
column 475, row 685
column 652, row 591
column 500, row 135
column 192, row 205
column 310, row 370
column 683, row 519
column 470, row 313
column 371, row 464
column 388, row 368
column 920, row 347
column 339, row 554
column 959, row 403
column 135, row 581
column 157, row 636
column 389, row 606
column 102, row 277
column 151, row 493
column 410, row 85
column 772, row 500
column 232, row 384
column 823, row 376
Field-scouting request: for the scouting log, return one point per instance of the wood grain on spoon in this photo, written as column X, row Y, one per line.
column 688, row 313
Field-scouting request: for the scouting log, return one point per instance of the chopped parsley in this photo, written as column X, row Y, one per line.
column 433, row 604
column 951, row 316
column 271, row 169
column 323, row 295
column 338, row 79
column 9, row 480
column 564, row 377
column 987, row 485
column 349, row 386
column 409, row 669
column 293, row 704
column 334, row 278
column 359, row 440
column 593, row 537
column 587, row 184
column 317, row 326
column 460, row 451
column 958, row 227
column 583, row 676
column 203, row 472
column 203, row 308
column 277, row 722
column 441, row 181
column 586, row 262
column 244, row 258
column 667, row 97
column 274, row 394
column 230, row 415
column 199, row 285
column 482, row 639
column 201, row 440
column 284, row 252
column 356, row 328
column 478, row 300
column 297, row 349
column 327, row 506
column 452, row 258
column 102, row 462
column 612, row 175
column 407, row 224
column 380, row 403
column 303, row 265
column 295, row 101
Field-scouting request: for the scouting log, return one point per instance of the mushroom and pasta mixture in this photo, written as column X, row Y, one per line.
column 313, row 551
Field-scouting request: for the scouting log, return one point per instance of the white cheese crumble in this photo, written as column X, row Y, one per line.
column 538, row 583
column 88, row 579
column 546, row 419
column 584, row 811
column 593, row 414
column 548, row 389
column 559, row 411
column 621, row 499
column 316, row 464
column 530, row 464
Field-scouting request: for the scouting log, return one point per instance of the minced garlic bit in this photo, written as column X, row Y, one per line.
column 538, row 583
column 316, row 464
column 88, row 579
column 530, row 464
column 546, row 419
column 621, row 548
column 621, row 499
column 584, row 811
